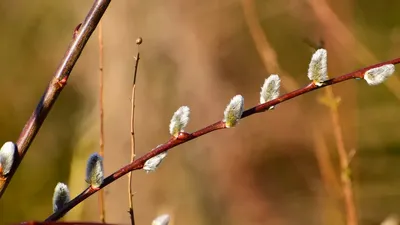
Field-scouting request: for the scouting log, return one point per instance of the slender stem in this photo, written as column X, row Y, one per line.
column 269, row 59
column 101, row 94
column 340, row 32
column 263, row 45
column 139, row 162
column 351, row 213
column 56, row 85
column 332, row 186
column 133, row 153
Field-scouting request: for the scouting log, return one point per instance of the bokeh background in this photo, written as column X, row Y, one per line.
column 280, row 167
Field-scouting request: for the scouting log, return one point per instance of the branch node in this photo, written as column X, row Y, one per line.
column 182, row 136
column 76, row 30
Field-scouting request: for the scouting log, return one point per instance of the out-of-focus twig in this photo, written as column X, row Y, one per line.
column 133, row 151
column 332, row 103
column 269, row 59
column 101, row 103
column 57, row 84
column 325, row 164
column 266, row 51
column 185, row 137
column 339, row 31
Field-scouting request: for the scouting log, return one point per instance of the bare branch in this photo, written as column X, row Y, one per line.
column 57, row 84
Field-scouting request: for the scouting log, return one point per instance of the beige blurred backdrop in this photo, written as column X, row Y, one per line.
column 268, row 170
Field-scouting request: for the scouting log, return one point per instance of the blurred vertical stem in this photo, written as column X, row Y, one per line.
column 330, row 212
column 57, row 84
column 263, row 47
column 339, row 31
column 269, row 59
column 101, row 94
column 332, row 103
column 133, row 152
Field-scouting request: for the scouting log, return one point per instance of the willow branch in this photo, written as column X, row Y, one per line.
column 139, row 162
column 57, row 84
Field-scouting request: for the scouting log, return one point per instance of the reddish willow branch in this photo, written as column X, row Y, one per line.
column 185, row 137
column 57, row 84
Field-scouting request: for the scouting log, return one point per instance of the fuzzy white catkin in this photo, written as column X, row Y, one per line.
column 270, row 89
column 7, row 154
column 60, row 196
column 318, row 68
column 179, row 121
column 233, row 111
column 94, row 170
column 161, row 220
column 153, row 163
column 378, row 75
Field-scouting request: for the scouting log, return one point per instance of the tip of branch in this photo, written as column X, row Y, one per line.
column 139, row 41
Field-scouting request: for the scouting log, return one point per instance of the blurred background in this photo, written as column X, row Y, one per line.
column 280, row 167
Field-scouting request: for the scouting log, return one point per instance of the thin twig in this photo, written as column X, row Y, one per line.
column 269, row 59
column 332, row 24
column 56, row 85
column 263, row 47
column 133, row 152
column 339, row 31
column 101, row 94
column 351, row 213
column 332, row 185
column 139, row 162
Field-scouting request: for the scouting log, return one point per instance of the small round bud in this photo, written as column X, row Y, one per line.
column 139, row 41
column 183, row 136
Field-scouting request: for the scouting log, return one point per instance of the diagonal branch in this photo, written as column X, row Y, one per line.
column 57, row 84
column 138, row 163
